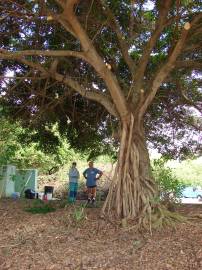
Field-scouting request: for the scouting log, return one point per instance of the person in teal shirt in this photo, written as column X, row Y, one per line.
column 73, row 183
column 91, row 175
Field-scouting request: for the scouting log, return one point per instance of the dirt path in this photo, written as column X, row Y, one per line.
column 57, row 241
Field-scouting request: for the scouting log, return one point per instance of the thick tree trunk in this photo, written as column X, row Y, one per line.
column 132, row 189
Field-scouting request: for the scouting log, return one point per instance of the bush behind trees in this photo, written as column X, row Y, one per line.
column 169, row 186
column 18, row 148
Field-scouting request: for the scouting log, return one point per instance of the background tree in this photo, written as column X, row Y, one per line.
column 22, row 147
column 136, row 62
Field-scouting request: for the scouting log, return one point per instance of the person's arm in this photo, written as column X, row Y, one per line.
column 100, row 173
column 78, row 174
column 69, row 173
column 84, row 174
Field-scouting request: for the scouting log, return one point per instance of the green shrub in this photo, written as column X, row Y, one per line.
column 169, row 186
column 79, row 213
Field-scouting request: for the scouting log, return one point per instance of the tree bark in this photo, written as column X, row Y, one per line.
column 132, row 189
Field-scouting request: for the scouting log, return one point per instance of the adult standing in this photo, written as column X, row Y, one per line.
column 73, row 182
column 91, row 175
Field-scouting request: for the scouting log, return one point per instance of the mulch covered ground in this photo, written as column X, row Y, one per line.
column 64, row 240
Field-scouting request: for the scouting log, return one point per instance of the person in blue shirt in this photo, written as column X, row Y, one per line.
column 91, row 175
column 73, row 182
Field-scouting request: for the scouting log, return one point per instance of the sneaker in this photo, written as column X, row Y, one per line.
column 93, row 201
column 89, row 200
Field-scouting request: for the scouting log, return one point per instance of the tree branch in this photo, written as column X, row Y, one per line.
column 61, row 3
column 190, row 102
column 165, row 70
column 197, row 65
column 120, row 36
column 93, row 95
column 132, row 18
column 95, row 60
column 160, row 24
column 64, row 23
column 193, row 47
column 35, row 66
column 62, row 53
column 197, row 126
column 70, row 4
column 21, row 77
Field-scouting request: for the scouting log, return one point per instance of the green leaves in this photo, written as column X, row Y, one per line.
column 22, row 147
column 170, row 187
column 79, row 213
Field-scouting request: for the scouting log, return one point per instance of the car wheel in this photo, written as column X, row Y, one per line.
column 199, row 197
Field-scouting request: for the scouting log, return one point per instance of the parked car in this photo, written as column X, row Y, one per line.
column 192, row 192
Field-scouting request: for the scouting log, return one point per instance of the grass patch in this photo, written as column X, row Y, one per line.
column 79, row 213
column 40, row 208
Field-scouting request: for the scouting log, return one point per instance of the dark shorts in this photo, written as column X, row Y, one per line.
column 91, row 186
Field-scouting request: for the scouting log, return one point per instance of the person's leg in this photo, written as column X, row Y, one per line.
column 75, row 190
column 93, row 194
column 89, row 194
column 71, row 192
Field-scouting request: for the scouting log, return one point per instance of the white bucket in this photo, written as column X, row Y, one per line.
column 40, row 194
column 49, row 196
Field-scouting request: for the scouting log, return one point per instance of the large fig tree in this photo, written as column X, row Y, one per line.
column 133, row 58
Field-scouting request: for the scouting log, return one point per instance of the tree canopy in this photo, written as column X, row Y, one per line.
column 53, row 80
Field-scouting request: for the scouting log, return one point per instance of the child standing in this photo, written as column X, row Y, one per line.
column 73, row 182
